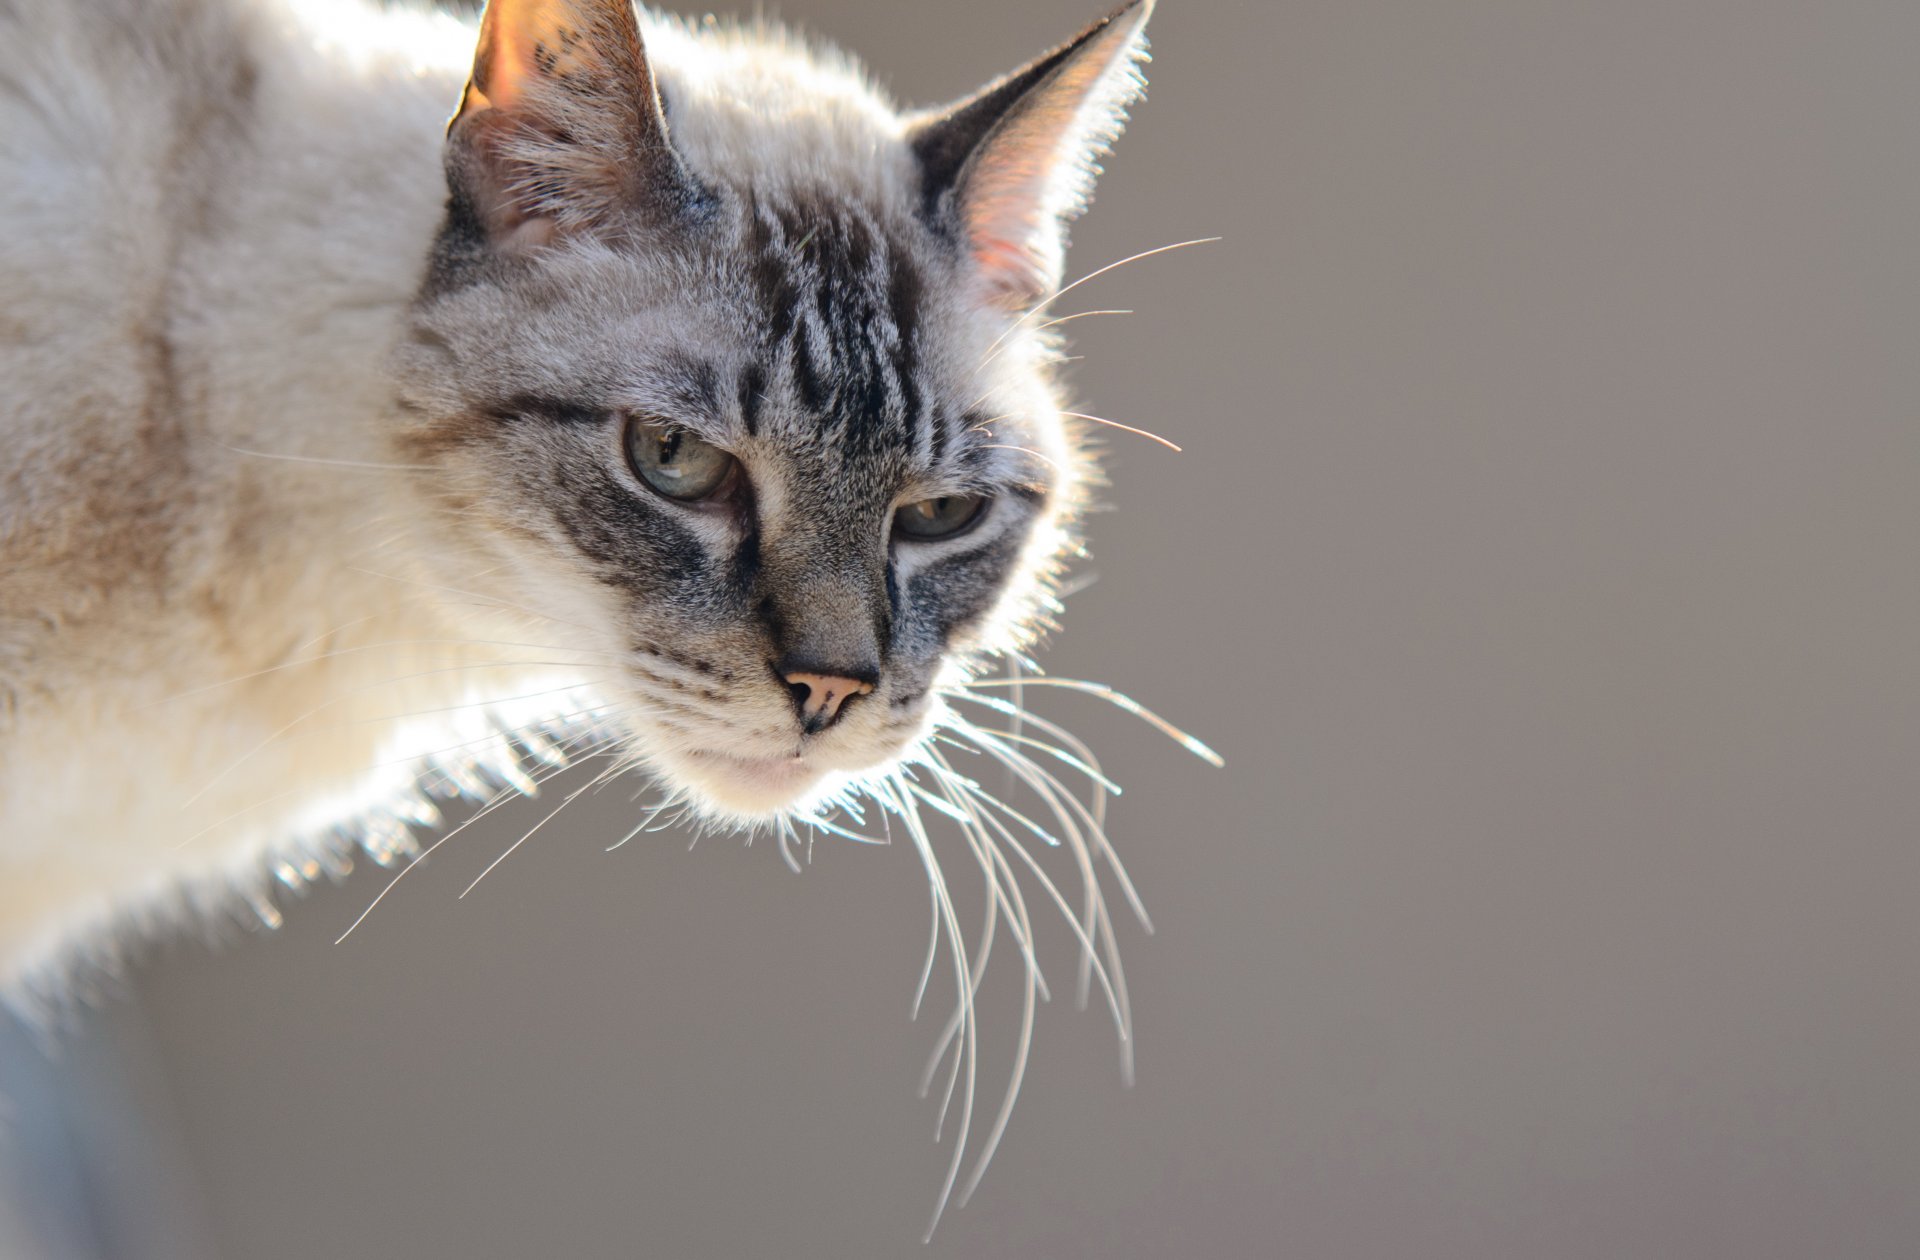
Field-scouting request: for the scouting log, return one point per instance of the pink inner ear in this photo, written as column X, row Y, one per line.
column 517, row 35
column 1015, row 241
column 509, row 67
column 1034, row 170
column 1000, row 257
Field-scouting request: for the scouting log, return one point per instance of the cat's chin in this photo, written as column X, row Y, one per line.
column 745, row 788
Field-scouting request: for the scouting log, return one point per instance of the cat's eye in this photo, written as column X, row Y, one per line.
column 944, row 517
column 674, row 461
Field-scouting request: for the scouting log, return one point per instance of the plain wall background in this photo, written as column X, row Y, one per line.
column 1543, row 562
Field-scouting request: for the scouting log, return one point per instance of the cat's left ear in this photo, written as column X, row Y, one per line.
column 560, row 127
column 1011, row 164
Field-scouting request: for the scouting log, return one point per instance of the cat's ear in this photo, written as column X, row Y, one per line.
column 560, row 128
column 1009, row 165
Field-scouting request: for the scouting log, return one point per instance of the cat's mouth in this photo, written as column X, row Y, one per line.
column 753, row 786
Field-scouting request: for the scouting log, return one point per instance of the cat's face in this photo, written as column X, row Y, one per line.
column 746, row 406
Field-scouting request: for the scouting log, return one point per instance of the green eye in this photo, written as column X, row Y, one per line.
column 943, row 517
column 674, row 462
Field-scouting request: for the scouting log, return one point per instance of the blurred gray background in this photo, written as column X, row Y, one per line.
column 1542, row 560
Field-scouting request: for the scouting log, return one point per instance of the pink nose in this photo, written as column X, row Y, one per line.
column 822, row 697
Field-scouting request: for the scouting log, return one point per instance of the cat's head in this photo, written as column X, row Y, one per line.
column 735, row 375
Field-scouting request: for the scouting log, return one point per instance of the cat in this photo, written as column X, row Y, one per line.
column 681, row 402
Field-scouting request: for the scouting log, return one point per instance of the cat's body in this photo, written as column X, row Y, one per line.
column 209, row 248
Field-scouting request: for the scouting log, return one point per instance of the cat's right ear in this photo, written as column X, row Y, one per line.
column 560, row 129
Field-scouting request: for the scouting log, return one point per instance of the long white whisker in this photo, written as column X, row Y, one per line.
column 910, row 817
column 1064, row 806
column 646, row 822
column 976, row 972
column 1116, row 698
column 1053, row 891
column 1021, row 927
column 324, row 635
column 1061, row 755
column 1008, row 894
column 832, row 828
column 571, row 797
column 783, row 833
column 1023, row 1048
column 1099, row 811
column 949, row 780
column 500, row 798
column 330, row 463
column 1065, row 803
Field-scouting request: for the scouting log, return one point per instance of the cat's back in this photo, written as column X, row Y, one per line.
column 110, row 112
column 113, row 113
column 182, row 184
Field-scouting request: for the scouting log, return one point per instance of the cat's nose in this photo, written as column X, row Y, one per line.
column 822, row 698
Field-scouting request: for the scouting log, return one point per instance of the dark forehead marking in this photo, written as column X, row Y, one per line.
column 839, row 297
column 769, row 272
column 753, row 384
column 811, row 379
column 937, row 427
column 906, row 290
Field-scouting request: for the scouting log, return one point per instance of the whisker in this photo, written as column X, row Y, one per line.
column 783, row 833
column 956, row 952
column 368, row 647
column 1053, row 890
column 1035, row 986
column 835, row 829
column 500, row 798
column 1126, row 428
column 1066, row 758
column 645, row 822
column 1063, row 805
column 493, row 600
column 571, row 797
column 1007, row 894
column 330, row 463
column 976, row 972
column 1118, row 699
column 1061, row 292
column 1000, row 446
column 1056, row 794
column 1000, row 349
column 1068, row 319
column 324, row 635
column 1099, row 810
